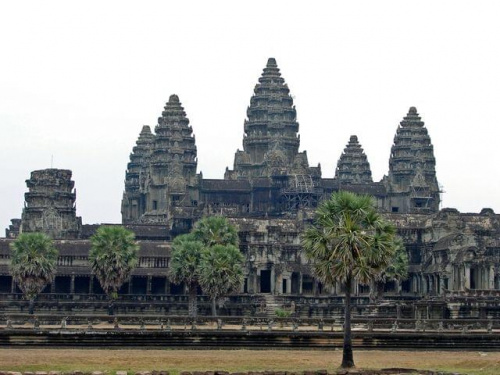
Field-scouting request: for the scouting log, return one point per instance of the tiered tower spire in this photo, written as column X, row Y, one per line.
column 161, row 181
column 412, row 181
column 271, row 141
column 50, row 205
column 353, row 166
column 132, row 204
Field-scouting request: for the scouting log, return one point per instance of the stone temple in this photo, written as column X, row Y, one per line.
column 270, row 194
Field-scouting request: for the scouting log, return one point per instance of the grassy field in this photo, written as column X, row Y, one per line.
column 239, row 360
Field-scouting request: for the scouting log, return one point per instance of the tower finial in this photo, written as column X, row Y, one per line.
column 271, row 63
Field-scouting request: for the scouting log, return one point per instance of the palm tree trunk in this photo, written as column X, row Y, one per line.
column 111, row 307
column 214, row 307
column 31, row 308
column 193, row 305
column 347, row 357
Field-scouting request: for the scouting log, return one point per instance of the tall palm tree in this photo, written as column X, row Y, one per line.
column 349, row 241
column 215, row 230
column 185, row 266
column 33, row 260
column 221, row 272
column 113, row 255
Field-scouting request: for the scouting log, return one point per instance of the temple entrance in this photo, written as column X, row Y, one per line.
column 283, row 289
column 82, row 284
column 473, row 277
column 158, row 285
column 5, row 284
column 307, row 284
column 63, row 284
column 139, row 285
column 265, row 281
column 295, row 284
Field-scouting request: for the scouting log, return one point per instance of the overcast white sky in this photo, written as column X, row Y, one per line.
column 79, row 79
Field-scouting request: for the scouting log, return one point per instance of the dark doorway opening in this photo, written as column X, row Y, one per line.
column 82, row 284
column 177, row 289
column 307, row 284
column 5, row 284
column 158, row 285
column 473, row 278
column 63, row 284
column 295, row 283
column 283, row 290
column 97, row 287
column 139, row 285
column 124, row 288
column 265, row 281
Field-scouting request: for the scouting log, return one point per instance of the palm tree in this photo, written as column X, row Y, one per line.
column 185, row 266
column 349, row 241
column 215, row 230
column 221, row 272
column 33, row 264
column 113, row 255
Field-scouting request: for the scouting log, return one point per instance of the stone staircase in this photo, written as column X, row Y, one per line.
column 272, row 304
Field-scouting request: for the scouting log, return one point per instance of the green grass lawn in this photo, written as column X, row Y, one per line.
column 133, row 360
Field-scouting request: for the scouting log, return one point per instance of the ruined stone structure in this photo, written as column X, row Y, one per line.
column 270, row 195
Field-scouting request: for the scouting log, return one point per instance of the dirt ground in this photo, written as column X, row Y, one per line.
column 240, row 360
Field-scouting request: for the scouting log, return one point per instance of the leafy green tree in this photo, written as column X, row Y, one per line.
column 113, row 255
column 33, row 264
column 185, row 266
column 215, row 230
column 221, row 272
column 396, row 271
column 349, row 241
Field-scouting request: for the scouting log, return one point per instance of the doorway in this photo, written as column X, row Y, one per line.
column 265, row 281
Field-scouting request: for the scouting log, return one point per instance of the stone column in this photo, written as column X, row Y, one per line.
column 273, row 280
column 338, row 288
column 12, row 286
column 279, row 285
column 91, row 284
column 441, row 284
column 130, row 285
column 300, row 282
column 491, row 278
column 149, row 284
column 72, row 285
column 431, row 284
column 167, row 286
column 466, row 281
column 53, row 286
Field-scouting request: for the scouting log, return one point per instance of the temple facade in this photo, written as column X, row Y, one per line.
column 270, row 195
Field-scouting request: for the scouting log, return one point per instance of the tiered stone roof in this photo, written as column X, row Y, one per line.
column 412, row 165
column 50, row 204
column 353, row 166
column 174, row 149
column 271, row 142
column 138, row 159
column 412, row 152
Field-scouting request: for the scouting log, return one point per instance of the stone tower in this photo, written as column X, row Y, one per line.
column 134, row 203
column 412, row 184
column 50, row 205
column 271, row 140
column 161, row 184
column 353, row 166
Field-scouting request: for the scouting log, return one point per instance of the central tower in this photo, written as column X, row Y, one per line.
column 271, row 141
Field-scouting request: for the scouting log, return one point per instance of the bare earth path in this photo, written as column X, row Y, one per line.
column 239, row 360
